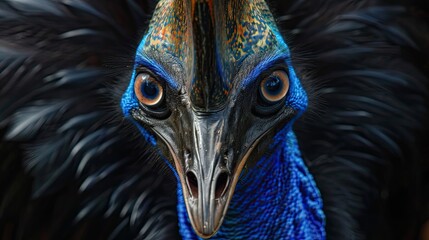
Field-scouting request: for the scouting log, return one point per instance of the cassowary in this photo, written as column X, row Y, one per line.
column 229, row 119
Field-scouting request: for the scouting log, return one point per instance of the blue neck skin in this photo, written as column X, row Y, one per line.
column 276, row 199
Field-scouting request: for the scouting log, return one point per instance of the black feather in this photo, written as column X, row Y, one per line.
column 77, row 164
column 365, row 140
column 70, row 167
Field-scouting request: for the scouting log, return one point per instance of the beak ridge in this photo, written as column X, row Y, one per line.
column 206, row 177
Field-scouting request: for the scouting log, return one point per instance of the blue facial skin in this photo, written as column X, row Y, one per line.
column 277, row 198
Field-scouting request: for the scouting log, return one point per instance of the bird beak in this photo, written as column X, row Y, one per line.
column 206, row 179
column 208, row 174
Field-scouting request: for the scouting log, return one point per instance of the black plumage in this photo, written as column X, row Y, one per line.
column 364, row 141
column 72, row 168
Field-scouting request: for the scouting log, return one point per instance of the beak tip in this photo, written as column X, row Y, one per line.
column 205, row 231
column 205, row 234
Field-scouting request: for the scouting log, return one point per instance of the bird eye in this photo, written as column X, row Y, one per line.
column 272, row 91
column 148, row 90
column 274, row 87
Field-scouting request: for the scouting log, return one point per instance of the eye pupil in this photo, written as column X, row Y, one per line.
column 150, row 90
column 273, row 86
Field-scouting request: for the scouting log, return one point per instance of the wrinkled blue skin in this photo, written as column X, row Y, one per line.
column 277, row 198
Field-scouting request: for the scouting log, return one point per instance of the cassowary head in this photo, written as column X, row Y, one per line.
column 212, row 86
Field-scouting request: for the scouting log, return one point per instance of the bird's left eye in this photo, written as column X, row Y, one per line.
column 274, row 87
column 272, row 93
column 148, row 90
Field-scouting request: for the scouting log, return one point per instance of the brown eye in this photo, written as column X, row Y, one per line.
column 275, row 87
column 148, row 90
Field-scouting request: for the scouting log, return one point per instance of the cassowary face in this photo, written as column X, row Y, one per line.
column 212, row 85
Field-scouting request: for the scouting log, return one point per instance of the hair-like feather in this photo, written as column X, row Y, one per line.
column 68, row 169
column 367, row 70
column 71, row 168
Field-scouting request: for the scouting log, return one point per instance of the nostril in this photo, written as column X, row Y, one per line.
column 192, row 181
column 227, row 154
column 225, row 158
column 221, row 184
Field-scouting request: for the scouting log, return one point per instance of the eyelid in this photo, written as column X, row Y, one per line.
column 265, row 68
column 144, row 70
column 277, row 67
column 152, row 66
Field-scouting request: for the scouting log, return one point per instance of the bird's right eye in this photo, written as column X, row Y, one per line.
column 151, row 94
column 148, row 90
